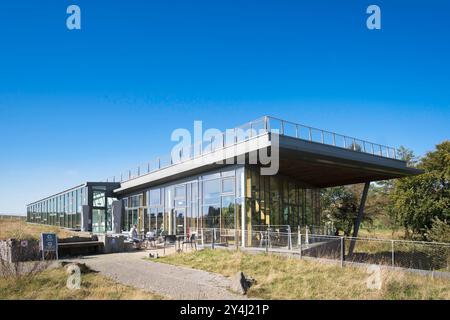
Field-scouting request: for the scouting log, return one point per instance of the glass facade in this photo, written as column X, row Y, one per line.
column 62, row 210
column 101, row 210
column 232, row 198
column 65, row 209
column 204, row 201
column 279, row 202
column 229, row 199
column 135, row 212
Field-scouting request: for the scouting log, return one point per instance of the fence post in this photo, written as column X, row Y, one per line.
column 393, row 257
column 214, row 238
column 290, row 238
column 342, row 252
column 203, row 242
column 267, row 240
column 300, row 243
column 307, row 235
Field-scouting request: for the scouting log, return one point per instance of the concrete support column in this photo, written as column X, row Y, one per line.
column 86, row 219
column 359, row 217
column 116, row 216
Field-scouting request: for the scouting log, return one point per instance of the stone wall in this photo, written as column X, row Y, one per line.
column 13, row 250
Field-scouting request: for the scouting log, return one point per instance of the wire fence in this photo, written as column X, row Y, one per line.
column 430, row 256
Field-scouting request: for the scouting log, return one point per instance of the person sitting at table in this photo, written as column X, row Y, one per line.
column 134, row 234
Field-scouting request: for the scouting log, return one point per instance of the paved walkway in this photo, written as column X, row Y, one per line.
column 175, row 282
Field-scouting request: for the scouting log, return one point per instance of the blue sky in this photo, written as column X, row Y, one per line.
column 86, row 104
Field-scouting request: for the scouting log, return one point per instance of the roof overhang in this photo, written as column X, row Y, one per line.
column 322, row 165
column 197, row 165
column 315, row 164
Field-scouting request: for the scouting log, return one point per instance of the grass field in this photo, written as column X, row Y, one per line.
column 381, row 233
column 19, row 229
column 51, row 285
column 289, row 278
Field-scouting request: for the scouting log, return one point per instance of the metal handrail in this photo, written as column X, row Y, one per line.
column 356, row 145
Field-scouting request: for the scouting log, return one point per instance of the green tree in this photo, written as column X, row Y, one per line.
column 340, row 206
column 417, row 201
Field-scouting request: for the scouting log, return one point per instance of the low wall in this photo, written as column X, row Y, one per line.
column 13, row 250
column 112, row 243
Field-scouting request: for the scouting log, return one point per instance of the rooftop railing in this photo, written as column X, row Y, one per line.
column 251, row 130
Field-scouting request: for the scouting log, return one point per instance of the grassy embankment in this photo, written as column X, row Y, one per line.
column 19, row 229
column 51, row 285
column 290, row 278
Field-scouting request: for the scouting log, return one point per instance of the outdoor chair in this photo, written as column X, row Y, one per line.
column 192, row 240
column 150, row 239
column 264, row 239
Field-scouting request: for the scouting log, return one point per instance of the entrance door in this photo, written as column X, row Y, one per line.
column 179, row 215
column 98, row 220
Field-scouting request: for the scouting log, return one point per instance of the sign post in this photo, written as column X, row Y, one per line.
column 49, row 243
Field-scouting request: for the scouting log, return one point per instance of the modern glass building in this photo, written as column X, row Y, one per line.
column 86, row 207
column 221, row 183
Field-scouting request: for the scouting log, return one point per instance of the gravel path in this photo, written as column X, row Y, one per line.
column 175, row 282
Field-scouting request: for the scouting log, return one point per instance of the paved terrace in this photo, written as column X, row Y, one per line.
column 175, row 282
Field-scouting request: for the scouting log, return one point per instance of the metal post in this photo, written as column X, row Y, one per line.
column 342, row 252
column 310, row 134
column 290, row 238
column 203, row 243
column 323, row 138
column 267, row 240
column 334, row 139
column 392, row 248
column 307, row 235
column 214, row 238
column 300, row 242
column 296, row 131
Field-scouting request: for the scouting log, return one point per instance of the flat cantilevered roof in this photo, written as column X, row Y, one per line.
column 316, row 157
column 323, row 166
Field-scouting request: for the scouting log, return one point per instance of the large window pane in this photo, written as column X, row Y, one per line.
column 227, row 214
column 180, row 196
column 211, row 216
column 211, row 192
column 155, row 197
column 228, row 185
column 98, row 198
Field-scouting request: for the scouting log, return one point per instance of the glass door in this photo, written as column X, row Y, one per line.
column 179, row 215
column 98, row 220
